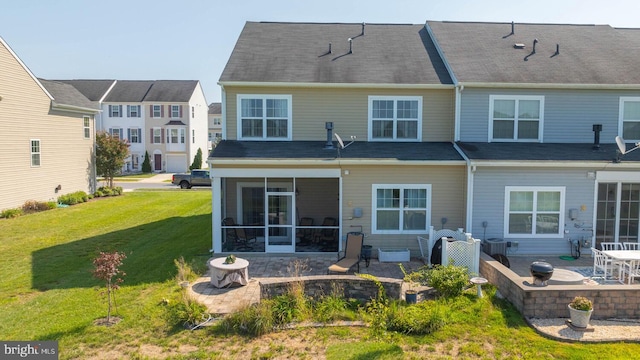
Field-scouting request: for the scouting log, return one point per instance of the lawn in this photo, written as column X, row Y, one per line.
column 47, row 292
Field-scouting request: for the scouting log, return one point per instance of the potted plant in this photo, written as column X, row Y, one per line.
column 580, row 309
column 411, row 295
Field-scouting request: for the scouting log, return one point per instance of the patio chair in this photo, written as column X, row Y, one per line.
column 240, row 236
column 604, row 266
column 611, row 246
column 630, row 270
column 631, row 245
column 305, row 234
column 328, row 237
column 351, row 255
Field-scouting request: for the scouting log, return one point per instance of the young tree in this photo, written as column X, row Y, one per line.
column 110, row 155
column 146, row 164
column 197, row 160
column 107, row 269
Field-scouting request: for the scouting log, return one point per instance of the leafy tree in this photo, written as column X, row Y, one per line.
column 197, row 160
column 146, row 164
column 110, row 155
column 107, row 269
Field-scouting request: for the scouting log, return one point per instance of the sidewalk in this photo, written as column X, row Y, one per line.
column 158, row 178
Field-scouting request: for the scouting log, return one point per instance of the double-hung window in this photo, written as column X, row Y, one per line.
column 175, row 111
column 133, row 111
column 115, row 110
column 175, row 136
column 116, row 133
column 86, row 126
column 134, row 135
column 395, row 118
column 35, row 152
column 157, row 135
column 534, row 211
column 401, row 209
column 515, row 118
column 156, row 111
column 630, row 118
column 264, row 117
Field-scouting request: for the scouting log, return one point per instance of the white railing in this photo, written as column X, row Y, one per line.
column 464, row 250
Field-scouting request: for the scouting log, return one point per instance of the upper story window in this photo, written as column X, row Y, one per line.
column 395, row 118
column 156, row 111
column 401, row 209
column 86, row 126
column 176, row 111
column 217, row 121
column 264, row 117
column 135, row 135
column 515, row 118
column 630, row 118
column 35, row 152
column 175, row 136
column 534, row 211
column 193, row 111
column 115, row 110
column 133, row 110
column 116, row 133
column 157, row 135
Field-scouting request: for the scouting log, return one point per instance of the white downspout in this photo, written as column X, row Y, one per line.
column 456, row 116
column 471, row 169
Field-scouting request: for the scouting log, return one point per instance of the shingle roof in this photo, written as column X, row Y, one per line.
column 265, row 150
column 299, row 52
column 94, row 90
column 589, row 54
column 65, row 94
column 215, row 108
column 171, row 90
column 129, row 91
column 542, row 152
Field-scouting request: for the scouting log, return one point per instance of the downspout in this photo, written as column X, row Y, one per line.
column 456, row 115
column 470, row 171
column 224, row 112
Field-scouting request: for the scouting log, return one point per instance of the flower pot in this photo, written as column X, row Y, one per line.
column 411, row 296
column 579, row 318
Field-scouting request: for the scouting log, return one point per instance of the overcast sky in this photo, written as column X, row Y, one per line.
column 192, row 39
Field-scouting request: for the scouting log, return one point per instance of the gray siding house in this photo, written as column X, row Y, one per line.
column 538, row 107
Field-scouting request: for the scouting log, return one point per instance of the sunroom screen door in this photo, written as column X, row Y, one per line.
column 280, row 237
column 618, row 212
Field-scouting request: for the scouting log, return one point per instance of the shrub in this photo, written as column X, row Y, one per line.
column 74, row 198
column 449, row 281
column 185, row 271
column 104, row 191
column 10, row 213
column 187, row 312
column 420, row 319
column 255, row 320
column 107, row 269
column 285, row 309
column 146, row 164
column 33, row 206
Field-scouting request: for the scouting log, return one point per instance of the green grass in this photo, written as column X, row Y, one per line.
column 47, row 293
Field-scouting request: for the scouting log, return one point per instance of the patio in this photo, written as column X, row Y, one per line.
column 227, row 300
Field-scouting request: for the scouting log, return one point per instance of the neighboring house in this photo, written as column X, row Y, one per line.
column 215, row 123
column 166, row 118
column 537, row 109
column 288, row 90
column 48, row 136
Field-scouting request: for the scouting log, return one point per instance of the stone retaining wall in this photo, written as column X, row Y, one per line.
column 609, row 301
column 351, row 286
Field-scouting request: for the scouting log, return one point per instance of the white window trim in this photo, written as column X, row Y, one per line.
column 138, row 109
column 517, row 98
column 111, row 107
column 264, row 97
column 624, row 99
column 395, row 99
column 86, row 129
column 171, row 111
column 535, row 189
column 374, row 208
column 138, row 132
column 153, row 139
column 31, row 152
column 153, row 111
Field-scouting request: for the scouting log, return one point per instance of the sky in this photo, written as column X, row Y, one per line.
column 193, row 39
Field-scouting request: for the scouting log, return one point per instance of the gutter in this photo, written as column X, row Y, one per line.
column 551, row 86
column 332, row 162
column 73, row 108
column 334, row 85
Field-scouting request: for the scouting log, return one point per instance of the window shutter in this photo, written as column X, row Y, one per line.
column 161, row 111
column 129, row 134
column 121, row 134
column 150, row 110
column 180, row 110
column 162, row 135
column 151, row 136
column 120, row 108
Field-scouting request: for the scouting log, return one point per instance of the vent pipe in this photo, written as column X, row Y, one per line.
column 513, row 28
column 329, row 126
column 350, row 45
column 535, row 41
column 557, row 49
column 330, row 52
column 362, row 34
column 597, row 128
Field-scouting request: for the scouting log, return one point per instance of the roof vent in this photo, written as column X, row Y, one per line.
column 512, row 28
column 535, row 41
column 330, row 52
column 518, row 46
column 350, row 45
column 363, row 24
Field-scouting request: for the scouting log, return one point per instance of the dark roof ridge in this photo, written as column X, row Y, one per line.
column 515, row 22
column 326, row 23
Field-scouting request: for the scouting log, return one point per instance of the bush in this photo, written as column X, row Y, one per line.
column 420, row 319
column 33, row 206
column 187, row 312
column 74, row 198
column 104, row 191
column 255, row 320
column 10, row 213
column 332, row 308
column 146, row 163
column 449, row 281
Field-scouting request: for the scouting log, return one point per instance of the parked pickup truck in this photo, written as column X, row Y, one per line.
column 196, row 178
